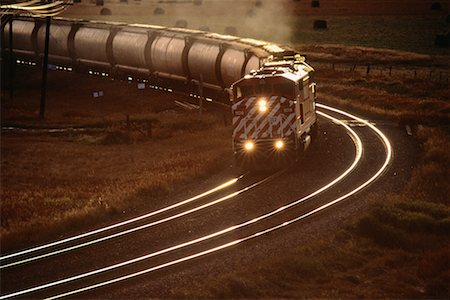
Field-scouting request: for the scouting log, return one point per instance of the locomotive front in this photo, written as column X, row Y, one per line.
column 273, row 113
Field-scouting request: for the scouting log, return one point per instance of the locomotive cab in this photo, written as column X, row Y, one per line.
column 273, row 114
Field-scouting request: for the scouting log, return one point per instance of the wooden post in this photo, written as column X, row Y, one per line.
column 45, row 69
column 390, row 70
column 12, row 61
column 368, row 70
column 200, row 86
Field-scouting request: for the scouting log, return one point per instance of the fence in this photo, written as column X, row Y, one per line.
column 438, row 75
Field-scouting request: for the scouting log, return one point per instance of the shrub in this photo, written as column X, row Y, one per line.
column 315, row 3
column 181, row 23
column 105, row 12
column 159, row 11
column 231, row 30
column 382, row 234
column 436, row 6
column 204, row 28
column 320, row 24
column 442, row 40
column 99, row 2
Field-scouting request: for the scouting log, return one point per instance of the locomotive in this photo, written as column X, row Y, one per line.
column 273, row 112
column 272, row 90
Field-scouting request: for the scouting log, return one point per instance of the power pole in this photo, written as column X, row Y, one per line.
column 200, row 86
column 45, row 68
column 11, row 61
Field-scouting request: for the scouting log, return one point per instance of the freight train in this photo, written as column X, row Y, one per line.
column 272, row 89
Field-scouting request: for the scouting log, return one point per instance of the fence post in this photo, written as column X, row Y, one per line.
column 368, row 70
column 390, row 70
column 200, row 86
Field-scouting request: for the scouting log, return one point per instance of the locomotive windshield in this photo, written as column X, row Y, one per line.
column 273, row 86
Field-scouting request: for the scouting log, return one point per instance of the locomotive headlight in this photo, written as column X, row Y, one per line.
column 249, row 146
column 262, row 104
column 279, row 144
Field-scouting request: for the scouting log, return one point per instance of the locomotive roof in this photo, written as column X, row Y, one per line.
column 290, row 70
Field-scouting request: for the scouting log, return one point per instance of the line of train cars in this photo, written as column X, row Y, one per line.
column 272, row 89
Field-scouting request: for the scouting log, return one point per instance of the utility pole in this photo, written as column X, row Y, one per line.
column 45, row 69
column 11, row 61
column 200, row 86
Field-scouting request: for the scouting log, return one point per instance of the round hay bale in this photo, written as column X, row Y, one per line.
column 99, row 2
column 181, row 24
column 258, row 3
column 436, row 6
column 198, row 2
column 159, row 11
column 204, row 28
column 442, row 40
column 320, row 24
column 315, row 3
column 105, row 12
column 231, row 30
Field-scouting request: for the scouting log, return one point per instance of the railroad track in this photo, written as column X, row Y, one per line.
column 212, row 224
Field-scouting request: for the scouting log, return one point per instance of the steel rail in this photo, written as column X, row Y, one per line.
column 358, row 154
column 123, row 223
column 148, row 225
column 388, row 159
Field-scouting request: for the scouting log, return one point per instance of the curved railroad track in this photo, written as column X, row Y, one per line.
column 204, row 231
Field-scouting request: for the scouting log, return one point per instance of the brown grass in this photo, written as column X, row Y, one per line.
column 56, row 182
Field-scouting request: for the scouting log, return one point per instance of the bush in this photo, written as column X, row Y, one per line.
column 382, row 234
column 320, row 24
column 315, row 3
column 204, row 28
column 181, row 23
column 99, row 2
column 159, row 11
column 105, row 12
column 436, row 6
column 442, row 40
column 231, row 30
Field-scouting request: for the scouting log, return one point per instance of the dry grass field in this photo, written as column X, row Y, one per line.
column 391, row 24
column 56, row 182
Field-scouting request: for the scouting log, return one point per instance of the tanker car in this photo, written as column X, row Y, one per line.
column 170, row 57
column 272, row 89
